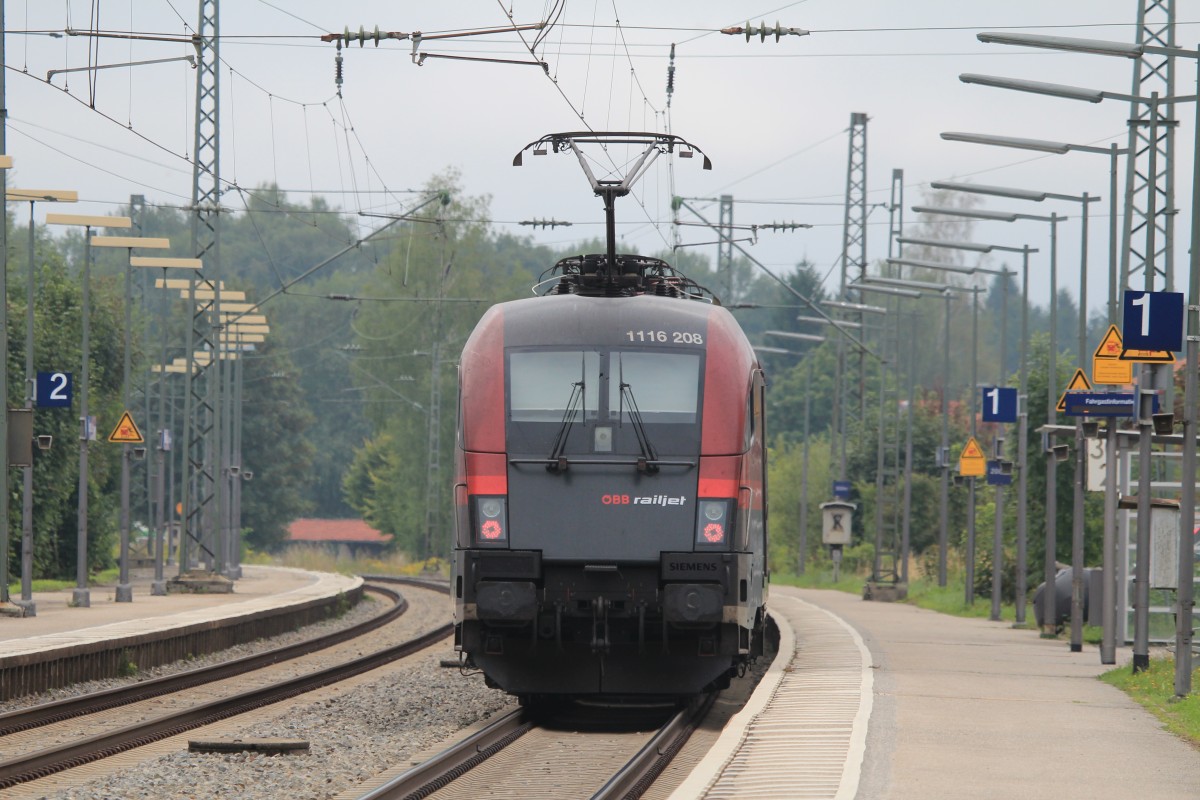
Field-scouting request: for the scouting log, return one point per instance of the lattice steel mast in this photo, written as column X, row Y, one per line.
column 202, row 500
column 854, row 269
column 1149, row 223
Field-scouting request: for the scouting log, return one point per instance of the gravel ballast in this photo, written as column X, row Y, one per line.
column 365, row 731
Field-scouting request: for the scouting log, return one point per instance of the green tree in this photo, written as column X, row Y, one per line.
column 276, row 447
column 427, row 299
column 57, row 347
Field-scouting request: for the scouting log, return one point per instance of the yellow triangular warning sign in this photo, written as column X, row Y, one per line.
column 972, row 463
column 1079, row 383
column 126, row 431
column 1107, row 366
column 1111, row 345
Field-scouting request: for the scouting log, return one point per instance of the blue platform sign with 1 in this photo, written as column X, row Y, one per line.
column 53, row 390
column 841, row 490
column 1152, row 321
column 999, row 404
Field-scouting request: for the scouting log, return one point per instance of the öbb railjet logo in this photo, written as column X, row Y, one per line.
column 651, row 500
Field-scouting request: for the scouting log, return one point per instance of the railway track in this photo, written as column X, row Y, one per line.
column 612, row 760
column 47, row 761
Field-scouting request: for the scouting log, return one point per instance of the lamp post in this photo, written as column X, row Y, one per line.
column 1108, row 635
column 1022, row 407
column 902, row 575
column 163, row 443
column 1048, row 599
column 1077, row 515
column 33, row 196
column 244, row 337
column 1053, row 219
column 802, row 543
column 997, row 538
column 1183, row 634
column 124, row 592
column 946, row 289
column 81, row 596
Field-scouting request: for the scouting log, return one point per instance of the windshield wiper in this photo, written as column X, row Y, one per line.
column 557, row 461
column 646, row 463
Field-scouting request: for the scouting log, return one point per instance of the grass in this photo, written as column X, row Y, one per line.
column 922, row 592
column 1154, row 688
column 104, row 577
column 321, row 559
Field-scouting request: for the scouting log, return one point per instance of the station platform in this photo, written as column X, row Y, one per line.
column 886, row 700
column 154, row 629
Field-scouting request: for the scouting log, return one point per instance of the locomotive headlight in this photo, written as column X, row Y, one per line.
column 712, row 523
column 491, row 521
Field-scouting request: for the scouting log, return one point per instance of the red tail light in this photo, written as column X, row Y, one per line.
column 712, row 522
column 491, row 520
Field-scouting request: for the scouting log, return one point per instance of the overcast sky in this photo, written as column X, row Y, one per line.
column 773, row 117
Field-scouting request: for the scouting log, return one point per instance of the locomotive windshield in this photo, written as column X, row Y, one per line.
column 551, row 391
column 542, row 382
column 666, row 384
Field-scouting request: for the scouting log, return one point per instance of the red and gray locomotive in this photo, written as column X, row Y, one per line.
column 611, row 535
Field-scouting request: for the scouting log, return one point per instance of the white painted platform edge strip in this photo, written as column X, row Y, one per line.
column 852, row 769
column 325, row 584
column 731, row 738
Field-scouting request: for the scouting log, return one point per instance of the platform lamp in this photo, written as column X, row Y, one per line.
column 1022, row 416
column 947, row 289
column 997, row 537
column 905, row 541
column 246, row 336
column 31, row 196
column 238, row 337
column 1051, row 464
column 214, row 299
column 124, row 593
column 1108, row 640
column 1081, row 464
column 1184, row 619
column 6, row 162
column 81, row 596
column 163, row 444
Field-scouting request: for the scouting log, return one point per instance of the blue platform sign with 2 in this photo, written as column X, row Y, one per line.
column 999, row 404
column 53, row 390
column 1152, row 321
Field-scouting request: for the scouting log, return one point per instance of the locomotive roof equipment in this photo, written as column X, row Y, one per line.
column 610, row 272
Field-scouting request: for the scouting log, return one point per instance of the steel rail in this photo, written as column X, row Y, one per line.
column 47, row 762
column 94, row 702
column 455, row 761
column 644, row 768
column 630, row 782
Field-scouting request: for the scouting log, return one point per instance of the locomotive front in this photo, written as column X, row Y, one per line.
column 611, row 532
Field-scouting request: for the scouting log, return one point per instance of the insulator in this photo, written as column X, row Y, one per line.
column 337, row 69
column 671, row 74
